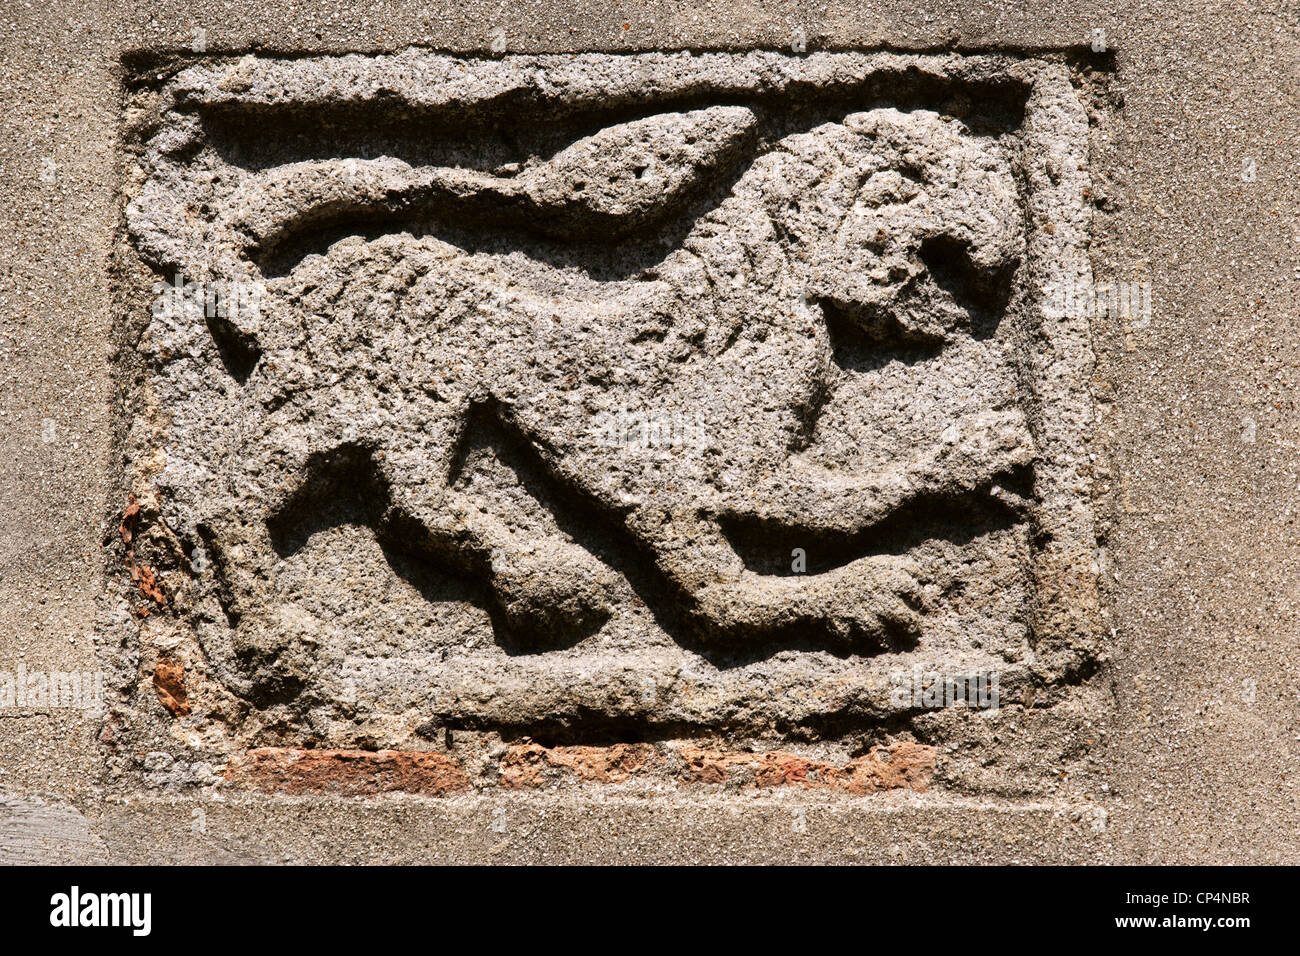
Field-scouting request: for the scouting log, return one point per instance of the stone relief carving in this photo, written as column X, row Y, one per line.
column 698, row 392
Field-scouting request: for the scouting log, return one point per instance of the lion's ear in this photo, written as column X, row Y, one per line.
column 627, row 175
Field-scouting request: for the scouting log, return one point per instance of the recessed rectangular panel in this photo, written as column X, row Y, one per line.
column 601, row 397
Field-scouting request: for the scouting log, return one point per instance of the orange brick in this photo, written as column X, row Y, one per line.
column 295, row 770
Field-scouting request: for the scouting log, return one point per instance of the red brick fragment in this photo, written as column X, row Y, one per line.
column 903, row 766
column 525, row 765
column 169, row 683
column 348, row 772
column 142, row 576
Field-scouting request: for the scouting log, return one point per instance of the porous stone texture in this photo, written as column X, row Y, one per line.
column 597, row 399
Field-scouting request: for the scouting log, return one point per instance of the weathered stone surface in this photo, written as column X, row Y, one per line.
column 37, row 831
column 672, row 394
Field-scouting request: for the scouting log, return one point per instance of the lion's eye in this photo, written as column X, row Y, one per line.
column 628, row 175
